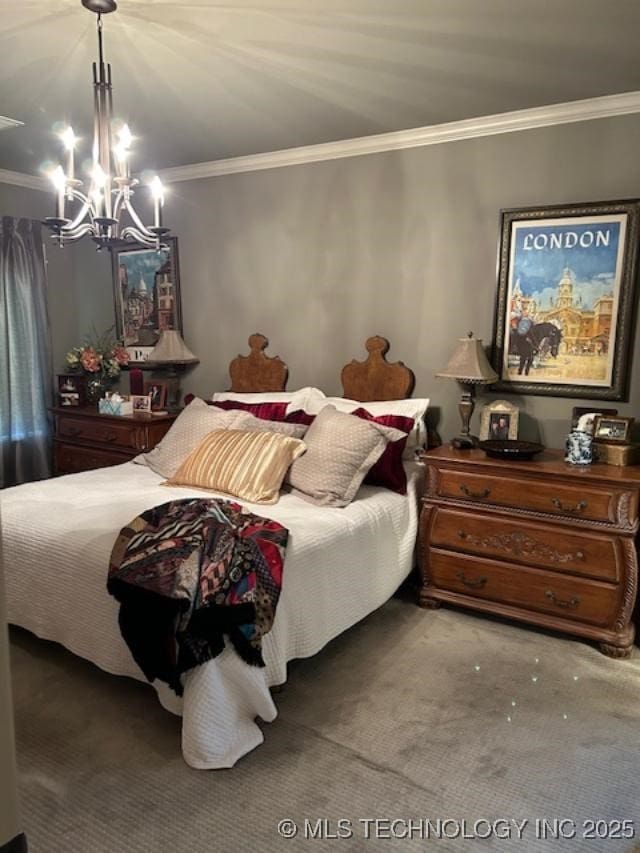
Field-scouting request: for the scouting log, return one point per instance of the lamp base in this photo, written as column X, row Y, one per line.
column 464, row 442
column 173, row 390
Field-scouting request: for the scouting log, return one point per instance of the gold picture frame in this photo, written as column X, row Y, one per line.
column 499, row 420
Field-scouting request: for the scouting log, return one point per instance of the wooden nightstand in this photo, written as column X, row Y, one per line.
column 85, row 439
column 543, row 541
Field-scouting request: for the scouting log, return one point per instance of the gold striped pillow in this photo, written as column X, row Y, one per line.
column 246, row 464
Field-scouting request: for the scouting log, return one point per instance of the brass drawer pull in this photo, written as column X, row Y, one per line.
column 473, row 584
column 471, row 494
column 110, row 436
column 560, row 602
column 576, row 508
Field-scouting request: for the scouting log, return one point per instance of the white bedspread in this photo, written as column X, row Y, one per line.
column 340, row 565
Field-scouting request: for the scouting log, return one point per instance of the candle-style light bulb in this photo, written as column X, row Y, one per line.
column 124, row 137
column 69, row 140
column 157, row 191
column 121, row 150
column 99, row 180
column 59, row 180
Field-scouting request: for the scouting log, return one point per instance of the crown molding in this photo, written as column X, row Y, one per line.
column 19, row 179
column 573, row 111
column 607, row 106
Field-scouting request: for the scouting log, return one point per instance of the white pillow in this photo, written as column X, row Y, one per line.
column 412, row 407
column 296, row 400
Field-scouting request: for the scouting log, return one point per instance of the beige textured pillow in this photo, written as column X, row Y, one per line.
column 249, row 465
column 340, row 450
column 187, row 431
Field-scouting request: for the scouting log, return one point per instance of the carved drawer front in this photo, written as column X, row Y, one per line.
column 108, row 431
column 592, row 502
column 532, row 544
column 71, row 458
column 577, row 599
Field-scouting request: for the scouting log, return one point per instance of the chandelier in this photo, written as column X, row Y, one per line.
column 98, row 211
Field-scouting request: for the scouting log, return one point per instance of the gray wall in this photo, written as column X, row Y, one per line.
column 402, row 244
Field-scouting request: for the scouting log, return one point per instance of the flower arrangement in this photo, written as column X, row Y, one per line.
column 100, row 358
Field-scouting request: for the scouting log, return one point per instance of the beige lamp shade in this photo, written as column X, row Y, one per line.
column 171, row 349
column 469, row 363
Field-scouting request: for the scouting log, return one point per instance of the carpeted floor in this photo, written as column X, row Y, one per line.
column 411, row 716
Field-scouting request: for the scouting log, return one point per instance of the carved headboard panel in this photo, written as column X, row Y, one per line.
column 375, row 378
column 257, row 371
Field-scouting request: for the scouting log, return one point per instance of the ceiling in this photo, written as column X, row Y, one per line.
column 199, row 80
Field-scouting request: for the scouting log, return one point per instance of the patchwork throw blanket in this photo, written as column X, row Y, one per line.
column 188, row 572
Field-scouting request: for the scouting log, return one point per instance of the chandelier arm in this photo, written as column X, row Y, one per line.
column 68, row 236
column 140, row 236
column 137, row 221
column 80, row 216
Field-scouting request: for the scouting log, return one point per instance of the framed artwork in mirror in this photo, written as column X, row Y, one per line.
column 567, row 281
column 146, row 286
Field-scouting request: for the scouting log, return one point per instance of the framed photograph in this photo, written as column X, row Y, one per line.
column 616, row 430
column 141, row 403
column 566, row 296
column 157, row 391
column 499, row 420
column 146, row 286
column 72, row 388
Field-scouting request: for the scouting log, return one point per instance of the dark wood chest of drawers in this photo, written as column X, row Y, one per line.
column 543, row 541
column 85, row 439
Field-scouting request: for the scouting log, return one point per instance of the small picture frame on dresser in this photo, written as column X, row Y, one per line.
column 156, row 389
column 72, row 389
column 141, row 404
column 499, row 421
column 611, row 429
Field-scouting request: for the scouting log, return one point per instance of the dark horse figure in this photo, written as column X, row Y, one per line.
column 540, row 338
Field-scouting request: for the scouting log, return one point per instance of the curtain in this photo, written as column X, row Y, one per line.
column 25, row 354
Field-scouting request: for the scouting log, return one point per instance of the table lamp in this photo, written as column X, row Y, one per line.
column 171, row 351
column 469, row 365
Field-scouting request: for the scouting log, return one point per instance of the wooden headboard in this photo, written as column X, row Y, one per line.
column 375, row 378
column 257, row 371
column 371, row 379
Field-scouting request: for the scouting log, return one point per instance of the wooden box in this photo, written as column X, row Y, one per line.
column 617, row 454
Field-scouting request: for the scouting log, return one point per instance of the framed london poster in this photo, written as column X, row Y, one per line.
column 146, row 284
column 566, row 297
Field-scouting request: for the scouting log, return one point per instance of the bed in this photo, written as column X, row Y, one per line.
column 341, row 564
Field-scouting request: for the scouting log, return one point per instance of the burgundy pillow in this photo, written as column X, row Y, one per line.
column 300, row 417
column 266, row 411
column 389, row 471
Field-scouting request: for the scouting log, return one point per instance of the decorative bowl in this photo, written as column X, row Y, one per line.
column 510, row 449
